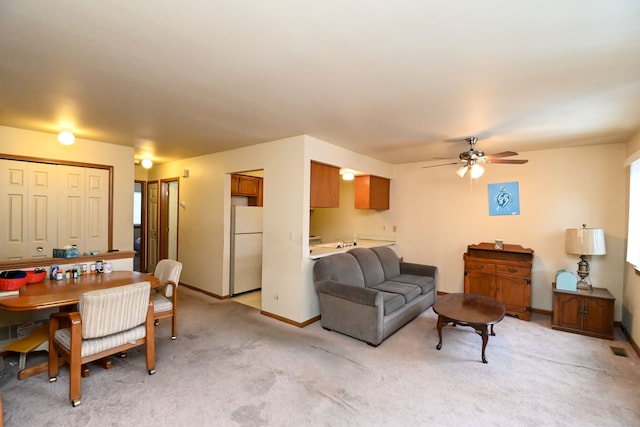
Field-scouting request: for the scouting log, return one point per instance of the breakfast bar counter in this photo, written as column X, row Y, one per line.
column 326, row 249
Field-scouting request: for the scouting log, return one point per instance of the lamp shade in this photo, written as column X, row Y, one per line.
column 585, row 241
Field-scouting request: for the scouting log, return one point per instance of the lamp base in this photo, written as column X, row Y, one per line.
column 583, row 284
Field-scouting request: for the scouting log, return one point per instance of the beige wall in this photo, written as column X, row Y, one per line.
column 436, row 213
column 631, row 297
column 439, row 214
column 203, row 241
column 204, row 228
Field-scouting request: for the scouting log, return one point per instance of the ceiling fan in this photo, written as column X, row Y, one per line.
column 471, row 160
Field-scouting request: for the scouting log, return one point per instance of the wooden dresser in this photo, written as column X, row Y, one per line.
column 503, row 274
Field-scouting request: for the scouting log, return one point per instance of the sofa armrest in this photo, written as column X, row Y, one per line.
column 418, row 269
column 356, row 294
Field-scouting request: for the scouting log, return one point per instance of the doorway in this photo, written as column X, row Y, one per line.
column 245, row 270
column 168, row 225
column 140, row 226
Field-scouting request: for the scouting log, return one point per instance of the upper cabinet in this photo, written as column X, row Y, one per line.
column 249, row 186
column 325, row 186
column 372, row 192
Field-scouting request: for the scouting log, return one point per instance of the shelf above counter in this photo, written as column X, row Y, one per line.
column 326, row 249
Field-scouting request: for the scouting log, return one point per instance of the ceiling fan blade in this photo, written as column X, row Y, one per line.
column 507, row 161
column 442, row 164
column 503, row 154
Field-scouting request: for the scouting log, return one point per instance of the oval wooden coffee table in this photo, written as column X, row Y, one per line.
column 476, row 311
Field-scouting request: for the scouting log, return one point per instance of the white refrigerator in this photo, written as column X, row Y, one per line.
column 246, row 249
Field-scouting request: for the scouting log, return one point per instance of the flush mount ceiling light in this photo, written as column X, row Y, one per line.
column 66, row 137
column 146, row 163
column 347, row 174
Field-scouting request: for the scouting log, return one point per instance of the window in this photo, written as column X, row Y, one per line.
column 633, row 238
column 137, row 206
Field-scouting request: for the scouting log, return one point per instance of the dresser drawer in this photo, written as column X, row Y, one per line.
column 514, row 270
column 480, row 267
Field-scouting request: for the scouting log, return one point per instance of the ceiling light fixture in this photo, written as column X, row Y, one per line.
column 462, row 171
column 66, row 137
column 146, row 163
column 476, row 171
column 347, row 174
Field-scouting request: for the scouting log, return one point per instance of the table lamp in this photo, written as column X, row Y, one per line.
column 585, row 241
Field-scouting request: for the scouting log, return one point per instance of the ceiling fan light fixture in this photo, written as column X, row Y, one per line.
column 462, row 171
column 476, row 171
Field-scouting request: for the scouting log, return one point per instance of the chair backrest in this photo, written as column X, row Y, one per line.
column 108, row 311
column 168, row 269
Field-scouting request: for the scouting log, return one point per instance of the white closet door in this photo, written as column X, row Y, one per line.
column 96, row 210
column 71, row 207
column 29, row 193
column 14, row 194
column 42, row 224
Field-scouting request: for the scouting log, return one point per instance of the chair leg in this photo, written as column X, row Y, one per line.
column 174, row 333
column 75, row 368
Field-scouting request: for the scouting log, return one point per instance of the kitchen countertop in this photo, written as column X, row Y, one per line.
column 326, row 249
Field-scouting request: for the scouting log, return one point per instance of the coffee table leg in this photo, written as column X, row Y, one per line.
column 485, row 339
column 440, row 322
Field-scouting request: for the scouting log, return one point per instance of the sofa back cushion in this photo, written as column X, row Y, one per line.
column 389, row 260
column 340, row 268
column 370, row 266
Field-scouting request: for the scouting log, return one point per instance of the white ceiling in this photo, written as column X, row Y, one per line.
column 395, row 80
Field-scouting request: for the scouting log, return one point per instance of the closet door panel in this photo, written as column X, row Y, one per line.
column 71, row 223
column 42, row 228
column 14, row 195
column 97, row 208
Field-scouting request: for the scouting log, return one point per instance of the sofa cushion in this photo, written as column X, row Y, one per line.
column 389, row 261
column 408, row 291
column 341, row 268
column 426, row 283
column 369, row 265
column 392, row 302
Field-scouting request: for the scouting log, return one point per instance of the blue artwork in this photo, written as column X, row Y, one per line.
column 504, row 199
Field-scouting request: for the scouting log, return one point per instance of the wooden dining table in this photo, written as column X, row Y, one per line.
column 65, row 294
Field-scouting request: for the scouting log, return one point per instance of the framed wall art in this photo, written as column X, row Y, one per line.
column 504, row 199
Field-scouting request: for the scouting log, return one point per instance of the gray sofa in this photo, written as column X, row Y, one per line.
column 368, row 293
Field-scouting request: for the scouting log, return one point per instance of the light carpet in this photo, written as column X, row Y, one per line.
column 232, row 366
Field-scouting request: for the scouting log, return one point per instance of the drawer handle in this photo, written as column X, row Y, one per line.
column 479, row 266
column 39, row 249
column 513, row 270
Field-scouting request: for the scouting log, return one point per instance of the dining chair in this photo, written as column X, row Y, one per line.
column 165, row 297
column 108, row 321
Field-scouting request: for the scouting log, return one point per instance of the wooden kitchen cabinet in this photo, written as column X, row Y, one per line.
column 372, row 192
column 502, row 274
column 586, row 312
column 325, row 186
column 248, row 186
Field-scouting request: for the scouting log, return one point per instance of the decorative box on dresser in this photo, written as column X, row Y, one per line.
column 584, row 311
column 503, row 274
